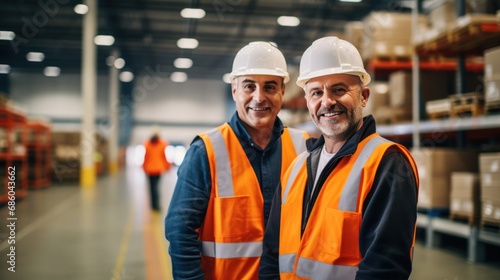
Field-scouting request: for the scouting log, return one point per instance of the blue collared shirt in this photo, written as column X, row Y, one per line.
column 192, row 193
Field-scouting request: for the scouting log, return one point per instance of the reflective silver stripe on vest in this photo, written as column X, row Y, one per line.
column 295, row 170
column 231, row 250
column 298, row 139
column 349, row 197
column 222, row 164
column 286, row 263
column 322, row 271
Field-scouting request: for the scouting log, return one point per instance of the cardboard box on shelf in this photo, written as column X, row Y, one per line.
column 489, row 162
column 433, row 86
column 465, row 195
column 354, row 33
column 388, row 35
column 443, row 16
column 490, row 192
column 490, row 211
column 435, row 166
column 492, row 64
column 492, row 91
column 379, row 97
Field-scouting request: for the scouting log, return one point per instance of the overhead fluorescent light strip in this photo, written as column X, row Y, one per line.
column 178, row 77
column 126, row 76
column 81, row 9
column 4, row 69
column 52, row 71
column 192, row 13
column 104, row 40
column 35, row 56
column 183, row 63
column 7, row 35
column 187, row 43
column 288, row 21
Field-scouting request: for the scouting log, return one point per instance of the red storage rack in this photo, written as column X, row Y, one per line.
column 13, row 136
column 39, row 146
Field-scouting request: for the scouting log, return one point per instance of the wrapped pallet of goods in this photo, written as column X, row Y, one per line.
column 492, row 79
column 435, row 166
column 489, row 167
column 465, row 202
column 388, row 35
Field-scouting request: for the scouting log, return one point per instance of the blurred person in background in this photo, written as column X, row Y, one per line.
column 155, row 163
column 347, row 207
column 219, row 209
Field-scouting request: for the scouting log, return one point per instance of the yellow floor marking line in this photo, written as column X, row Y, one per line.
column 165, row 264
column 120, row 260
column 158, row 265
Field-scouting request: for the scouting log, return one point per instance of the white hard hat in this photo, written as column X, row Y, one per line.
column 259, row 58
column 331, row 55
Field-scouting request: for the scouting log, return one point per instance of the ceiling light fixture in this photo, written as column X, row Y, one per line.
column 178, row 77
column 288, row 21
column 81, row 9
column 4, row 69
column 351, row 1
column 7, row 35
column 104, row 40
column 35, row 56
column 52, row 71
column 187, row 43
column 119, row 63
column 192, row 13
column 183, row 63
column 126, row 76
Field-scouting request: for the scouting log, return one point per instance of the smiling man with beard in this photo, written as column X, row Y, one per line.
column 220, row 206
column 347, row 207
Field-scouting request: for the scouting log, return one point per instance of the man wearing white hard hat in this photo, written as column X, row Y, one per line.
column 219, row 209
column 348, row 206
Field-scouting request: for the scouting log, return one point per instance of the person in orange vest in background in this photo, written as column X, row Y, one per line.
column 155, row 163
column 348, row 206
column 226, row 182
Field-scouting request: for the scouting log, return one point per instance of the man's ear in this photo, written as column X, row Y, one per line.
column 365, row 94
column 233, row 88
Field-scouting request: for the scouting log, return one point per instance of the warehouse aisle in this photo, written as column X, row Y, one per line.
column 65, row 232
column 107, row 232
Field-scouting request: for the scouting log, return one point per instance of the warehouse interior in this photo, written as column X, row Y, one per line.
column 83, row 83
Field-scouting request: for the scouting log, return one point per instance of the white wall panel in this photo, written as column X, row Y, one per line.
column 55, row 97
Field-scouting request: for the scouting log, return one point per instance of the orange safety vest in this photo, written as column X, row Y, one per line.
column 232, row 232
column 155, row 160
column 329, row 247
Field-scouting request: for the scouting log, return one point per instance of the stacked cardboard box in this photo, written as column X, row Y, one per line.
column 67, row 153
column 435, row 166
column 434, row 85
column 465, row 199
column 354, row 31
column 489, row 166
column 379, row 98
column 388, row 35
column 492, row 78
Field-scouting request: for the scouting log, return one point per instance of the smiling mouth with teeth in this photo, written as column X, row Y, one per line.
column 258, row 108
column 331, row 114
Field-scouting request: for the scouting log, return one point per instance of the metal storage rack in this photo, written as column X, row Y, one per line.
column 488, row 34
